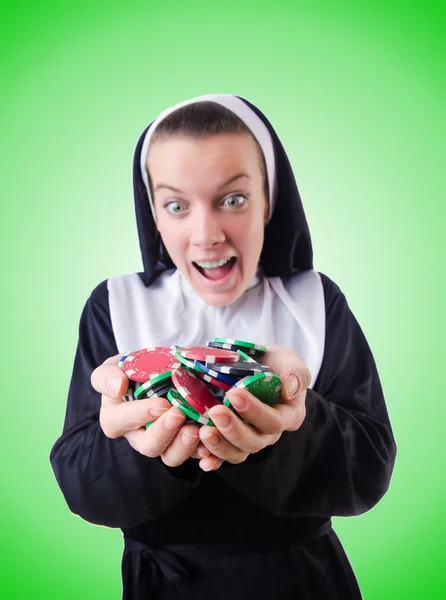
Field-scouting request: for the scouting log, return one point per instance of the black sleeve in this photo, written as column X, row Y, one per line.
column 340, row 461
column 106, row 481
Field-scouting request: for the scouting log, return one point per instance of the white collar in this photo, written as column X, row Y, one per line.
column 188, row 290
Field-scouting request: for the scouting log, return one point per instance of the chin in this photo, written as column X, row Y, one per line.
column 218, row 292
column 223, row 299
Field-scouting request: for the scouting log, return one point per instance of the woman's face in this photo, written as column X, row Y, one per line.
column 210, row 206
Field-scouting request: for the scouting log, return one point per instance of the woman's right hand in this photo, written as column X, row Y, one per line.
column 167, row 437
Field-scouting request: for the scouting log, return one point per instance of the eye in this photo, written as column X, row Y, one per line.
column 235, row 201
column 174, row 208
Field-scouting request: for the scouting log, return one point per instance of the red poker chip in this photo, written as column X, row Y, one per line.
column 217, row 382
column 194, row 391
column 144, row 364
column 212, row 355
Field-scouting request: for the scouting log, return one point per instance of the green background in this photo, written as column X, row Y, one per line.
column 357, row 96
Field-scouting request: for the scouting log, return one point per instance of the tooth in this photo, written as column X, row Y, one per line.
column 213, row 265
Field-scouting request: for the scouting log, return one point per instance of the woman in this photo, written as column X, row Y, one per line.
column 226, row 252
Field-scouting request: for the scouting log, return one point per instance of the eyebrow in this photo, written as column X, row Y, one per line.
column 230, row 180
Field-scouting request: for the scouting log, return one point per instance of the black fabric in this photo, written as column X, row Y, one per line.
column 338, row 463
column 287, row 246
column 315, row 567
column 105, row 481
column 259, row 568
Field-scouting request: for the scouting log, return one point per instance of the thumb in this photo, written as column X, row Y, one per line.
column 109, row 379
column 296, row 383
column 291, row 386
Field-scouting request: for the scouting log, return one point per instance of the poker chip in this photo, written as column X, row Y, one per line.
column 129, row 396
column 133, row 385
column 196, row 393
column 232, row 348
column 158, row 388
column 213, row 373
column 264, row 386
column 121, row 360
column 159, row 393
column 149, row 362
column 177, row 400
column 190, row 364
column 241, row 343
column 203, row 354
column 220, row 393
column 196, row 378
column 188, row 419
column 216, row 382
column 142, row 390
column 249, row 359
column 240, row 369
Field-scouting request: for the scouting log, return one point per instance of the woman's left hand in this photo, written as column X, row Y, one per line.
column 231, row 439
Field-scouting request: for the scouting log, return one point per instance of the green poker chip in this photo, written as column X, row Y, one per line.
column 240, row 343
column 146, row 386
column 264, row 386
column 177, row 400
column 187, row 363
column 248, row 358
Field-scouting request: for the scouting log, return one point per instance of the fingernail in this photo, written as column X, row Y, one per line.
column 238, row 402
column 222, row 421
column 206, row 465
column 173, row 422
column 211, row 438
column 188, row 439
column 157, row 411
column 291, row 385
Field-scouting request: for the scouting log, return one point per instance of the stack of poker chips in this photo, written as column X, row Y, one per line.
column 195, row 379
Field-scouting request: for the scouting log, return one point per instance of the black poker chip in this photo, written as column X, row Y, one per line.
column 240, row 369
column 158, row 391
column 159, row 381
column 250, row 351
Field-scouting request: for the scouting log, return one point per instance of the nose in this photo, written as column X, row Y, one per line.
column 206, row 229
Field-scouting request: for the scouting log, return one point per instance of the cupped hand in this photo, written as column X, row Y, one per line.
column 260, row 425
column 167, row 436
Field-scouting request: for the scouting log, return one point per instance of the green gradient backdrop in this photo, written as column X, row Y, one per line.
column 358, row 98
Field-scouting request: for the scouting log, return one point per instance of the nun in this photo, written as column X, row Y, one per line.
column 242, row 509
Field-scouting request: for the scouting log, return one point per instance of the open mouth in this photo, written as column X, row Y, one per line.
column 217, row 273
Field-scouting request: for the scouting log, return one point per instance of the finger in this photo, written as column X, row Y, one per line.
column 212, row 463
column 243, row 436
column 201, row 451
column 295, row 382
column 221, row 447
column 285, row 364
column 117, row 417
column 109, row 379
column 154, row 440
column 263, row 417
column 292, row 412
column 182, row 446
